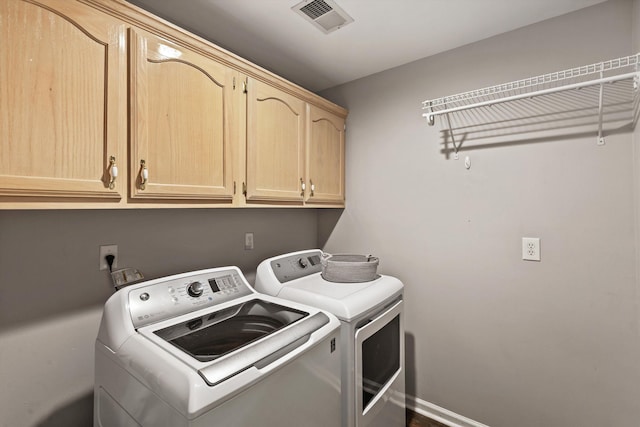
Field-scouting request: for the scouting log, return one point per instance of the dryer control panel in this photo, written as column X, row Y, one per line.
column 297, row 265
column 158, row 300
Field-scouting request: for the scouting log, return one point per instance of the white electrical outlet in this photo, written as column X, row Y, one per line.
column 248, row 241
column 108, row 250
column 531, row 248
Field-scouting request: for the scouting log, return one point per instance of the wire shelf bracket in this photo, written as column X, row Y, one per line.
column 571, row 79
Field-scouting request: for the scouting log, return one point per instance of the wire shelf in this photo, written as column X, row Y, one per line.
column 535, row 82
column 593, row 75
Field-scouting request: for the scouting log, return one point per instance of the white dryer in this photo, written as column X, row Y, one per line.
column 204, row 349
column 372, row 333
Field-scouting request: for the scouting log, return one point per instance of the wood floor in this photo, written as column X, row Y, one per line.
column 417, row 420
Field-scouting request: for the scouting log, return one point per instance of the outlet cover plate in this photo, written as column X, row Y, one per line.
column 248, row 241
column 531, row 248
column 108, row 250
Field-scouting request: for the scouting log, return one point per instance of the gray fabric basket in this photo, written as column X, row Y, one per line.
column 345, row 268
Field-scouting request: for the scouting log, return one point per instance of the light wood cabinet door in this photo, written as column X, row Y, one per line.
column 62, row 101
column 325, row 157
column 181, row 107
column 275, row 144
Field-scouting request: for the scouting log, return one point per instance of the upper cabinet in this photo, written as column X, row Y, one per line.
column 325, row 157
column 275, row 144
column 105, row 105
column 294, row 150
column 62, row 92
column 181, row 104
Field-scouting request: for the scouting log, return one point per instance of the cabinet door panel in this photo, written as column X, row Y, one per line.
column 180, row 122
column 275, row 144
column 325, row 157
column 62, row 100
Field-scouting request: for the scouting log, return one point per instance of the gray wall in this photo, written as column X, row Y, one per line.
column 503, row 341
column 636, row 154
column 52, row 293
column 490, row 337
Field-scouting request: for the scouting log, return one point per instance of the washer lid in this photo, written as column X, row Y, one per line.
column 229, row 341
column 264, row 350
column 346, row 300
column 211, row 336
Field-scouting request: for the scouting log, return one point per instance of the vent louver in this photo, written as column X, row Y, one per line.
column 323, row 14
column 316, row 9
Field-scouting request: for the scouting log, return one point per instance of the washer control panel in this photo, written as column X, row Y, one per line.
column 173, row 297
column 295, row 266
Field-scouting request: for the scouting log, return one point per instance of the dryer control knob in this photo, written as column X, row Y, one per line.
column 303, row 263
column 195, row 289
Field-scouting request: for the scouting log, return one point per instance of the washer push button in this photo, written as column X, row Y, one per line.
column 227, row 286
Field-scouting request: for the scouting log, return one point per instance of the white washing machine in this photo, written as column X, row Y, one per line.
column 372, row 333
column 204, row 349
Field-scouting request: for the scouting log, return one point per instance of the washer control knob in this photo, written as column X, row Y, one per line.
column 144, row 296
column 195, row 289
column 303, row 263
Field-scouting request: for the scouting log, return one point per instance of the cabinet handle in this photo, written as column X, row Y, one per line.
column 302, row 187
column 313, row 187
column 144, row 174
column 113, row 171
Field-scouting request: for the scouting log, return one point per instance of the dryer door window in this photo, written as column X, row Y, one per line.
column 379, row 360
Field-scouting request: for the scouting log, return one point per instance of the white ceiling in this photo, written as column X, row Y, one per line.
column 385, row 33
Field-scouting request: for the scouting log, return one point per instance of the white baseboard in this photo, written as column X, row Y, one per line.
column 439, row 414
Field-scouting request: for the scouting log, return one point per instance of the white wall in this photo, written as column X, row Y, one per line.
column 52, row 293
column 491, row 337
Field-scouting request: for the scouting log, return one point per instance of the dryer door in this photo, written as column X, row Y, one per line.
column 380, row 368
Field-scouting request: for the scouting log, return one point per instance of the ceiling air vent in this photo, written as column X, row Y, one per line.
column 324, row 14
